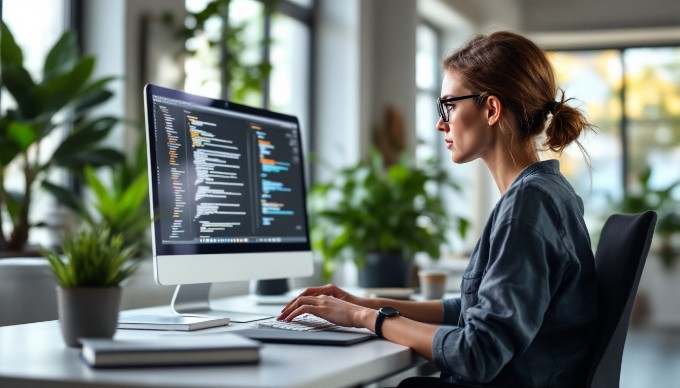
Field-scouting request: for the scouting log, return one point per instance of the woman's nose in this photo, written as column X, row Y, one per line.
column 441, row 125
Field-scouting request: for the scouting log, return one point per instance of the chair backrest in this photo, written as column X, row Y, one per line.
column 619, row 260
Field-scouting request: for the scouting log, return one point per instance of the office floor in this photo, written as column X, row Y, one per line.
column 651, row 358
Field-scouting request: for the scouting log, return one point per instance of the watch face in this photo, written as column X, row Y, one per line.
column 389, row 311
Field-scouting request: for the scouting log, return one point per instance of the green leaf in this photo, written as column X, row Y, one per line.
column 95, row 157
column 67, row 197
column 84, row 136
column 91, row 99
column 10, row 52
column 100, row 191
column 94, row 258
column 8, row 151
column 13, row 201
column 62, row 57
column 22, row 134
column 135, row 194
column 56, row 92
column 20, row 85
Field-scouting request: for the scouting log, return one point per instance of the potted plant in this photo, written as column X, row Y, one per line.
column 381, row 217
column 641, row 197
column 61, row 100
column 122, row 204
column 89, row 274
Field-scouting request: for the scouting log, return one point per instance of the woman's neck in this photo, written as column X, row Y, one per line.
column 506, row 164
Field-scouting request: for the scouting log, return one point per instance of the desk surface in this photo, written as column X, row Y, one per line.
column 34, row 355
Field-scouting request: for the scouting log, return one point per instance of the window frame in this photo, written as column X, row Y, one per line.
column 624, row 122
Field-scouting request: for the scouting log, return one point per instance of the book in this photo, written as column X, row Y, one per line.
column 169, row 322
column 221, row 348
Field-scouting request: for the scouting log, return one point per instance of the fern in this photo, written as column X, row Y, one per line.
column 93, row 258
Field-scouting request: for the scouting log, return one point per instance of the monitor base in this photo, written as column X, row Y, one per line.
column 194, row 299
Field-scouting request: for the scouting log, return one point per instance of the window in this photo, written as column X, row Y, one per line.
column 428, row 82
column 282, row 39
column 633, row 96
column 430, row 142
column 35, row 32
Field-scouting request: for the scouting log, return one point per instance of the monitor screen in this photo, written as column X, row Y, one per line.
column 227, row 191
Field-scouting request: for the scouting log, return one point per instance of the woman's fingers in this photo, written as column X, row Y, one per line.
column 328, row 289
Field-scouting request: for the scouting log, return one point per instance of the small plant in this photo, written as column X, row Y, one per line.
column 122, row 204
column 92, row 258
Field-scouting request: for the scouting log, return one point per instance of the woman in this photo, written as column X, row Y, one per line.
column 527, row 313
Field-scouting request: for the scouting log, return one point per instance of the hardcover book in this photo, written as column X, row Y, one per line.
column 204, row 349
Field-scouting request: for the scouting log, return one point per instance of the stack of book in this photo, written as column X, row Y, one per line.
column 198, row 349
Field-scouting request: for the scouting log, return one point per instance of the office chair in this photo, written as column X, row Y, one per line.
column 619, row 260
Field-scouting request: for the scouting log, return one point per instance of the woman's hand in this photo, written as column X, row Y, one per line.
column 331, row 290
column 331, row 303
column 331, row 308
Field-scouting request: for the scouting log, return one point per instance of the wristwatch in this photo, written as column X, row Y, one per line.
column 384, row 312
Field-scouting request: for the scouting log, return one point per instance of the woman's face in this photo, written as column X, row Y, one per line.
column 467, row 133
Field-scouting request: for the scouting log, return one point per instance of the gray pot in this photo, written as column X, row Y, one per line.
column 88, row 312
column 387, row 269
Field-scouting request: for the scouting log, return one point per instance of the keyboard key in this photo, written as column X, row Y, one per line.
column 305, row 322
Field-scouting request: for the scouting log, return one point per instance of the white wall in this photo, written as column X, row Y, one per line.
column 338, row 95
column 104, row 25
column 113, row 33
column 365, row 58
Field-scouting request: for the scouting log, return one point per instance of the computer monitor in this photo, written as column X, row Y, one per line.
column 228, row 196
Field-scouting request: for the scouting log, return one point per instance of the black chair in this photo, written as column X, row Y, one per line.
column 619, row 260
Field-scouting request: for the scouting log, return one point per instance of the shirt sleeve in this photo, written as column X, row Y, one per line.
column 513, row 296
column 451, row 308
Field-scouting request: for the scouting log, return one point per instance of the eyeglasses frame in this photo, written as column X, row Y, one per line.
column 441, row 101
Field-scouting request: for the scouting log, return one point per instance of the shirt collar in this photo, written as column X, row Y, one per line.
column 551, row 166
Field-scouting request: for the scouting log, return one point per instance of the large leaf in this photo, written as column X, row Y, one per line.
column 55, row 93
column 62, row 57
column 96, row 157
column 15, row 78
column 90, row 100
column 67, row 197
column 22, row 134
column 10, row 52
column 20, row 85
column 13, row 201
column 82, row 137
column 100, row 191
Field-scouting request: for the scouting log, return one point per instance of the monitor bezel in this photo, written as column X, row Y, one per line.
column 178, row 249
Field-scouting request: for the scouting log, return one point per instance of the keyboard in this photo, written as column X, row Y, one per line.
column 304, row 322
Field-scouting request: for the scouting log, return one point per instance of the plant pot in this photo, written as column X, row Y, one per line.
column 385, row 270
column 88, row 312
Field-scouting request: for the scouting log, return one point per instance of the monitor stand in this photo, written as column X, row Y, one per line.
column 194, row 299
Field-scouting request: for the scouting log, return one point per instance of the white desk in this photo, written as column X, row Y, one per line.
column 34, row 355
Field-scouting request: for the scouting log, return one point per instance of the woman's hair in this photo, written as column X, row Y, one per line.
column 512, row 68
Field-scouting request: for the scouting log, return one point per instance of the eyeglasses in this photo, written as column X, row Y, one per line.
column 444, row 107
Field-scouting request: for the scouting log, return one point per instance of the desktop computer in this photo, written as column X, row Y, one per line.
column 228, row 196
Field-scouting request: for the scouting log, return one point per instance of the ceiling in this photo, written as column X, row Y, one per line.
column 579, row 15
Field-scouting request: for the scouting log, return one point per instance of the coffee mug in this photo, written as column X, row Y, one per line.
column 432, row 283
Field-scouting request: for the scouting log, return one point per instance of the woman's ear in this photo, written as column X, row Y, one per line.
column 494, row 109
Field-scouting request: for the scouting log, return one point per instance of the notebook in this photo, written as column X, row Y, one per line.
column 169, row 322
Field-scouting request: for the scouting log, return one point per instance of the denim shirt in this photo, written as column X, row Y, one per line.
column 527, row 312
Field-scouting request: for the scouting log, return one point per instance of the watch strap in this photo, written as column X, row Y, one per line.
column 378, row 324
